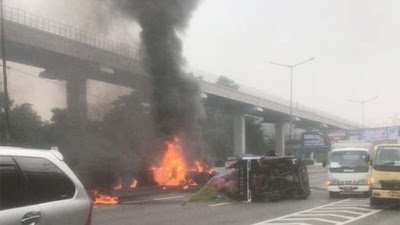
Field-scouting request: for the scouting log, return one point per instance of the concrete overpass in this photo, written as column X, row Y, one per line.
column 75, row 56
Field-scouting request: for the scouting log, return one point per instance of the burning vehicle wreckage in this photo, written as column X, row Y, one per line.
column 251, row 178
column 173, row 174
column 264, row 178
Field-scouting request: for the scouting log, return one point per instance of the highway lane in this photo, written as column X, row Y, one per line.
column 173, row 208
column 178, row 211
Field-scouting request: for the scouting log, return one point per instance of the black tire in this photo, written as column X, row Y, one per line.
column 304, row 184
column 374, row 202
column 333, row 194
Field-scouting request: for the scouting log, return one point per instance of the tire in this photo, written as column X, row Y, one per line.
column 304, row 184
column 374, row 202
column 333, row 194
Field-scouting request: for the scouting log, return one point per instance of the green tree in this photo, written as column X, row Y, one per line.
column 26, row 127
column 217, row 134
column 58, row 127
column 128, row 126
column 256, row 143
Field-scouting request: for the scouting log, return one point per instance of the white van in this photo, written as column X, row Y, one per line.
column 349, row 171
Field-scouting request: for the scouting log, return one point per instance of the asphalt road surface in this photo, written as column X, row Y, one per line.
column 173, row 208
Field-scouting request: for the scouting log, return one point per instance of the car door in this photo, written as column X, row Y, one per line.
column 55, row 192
column 16, row 199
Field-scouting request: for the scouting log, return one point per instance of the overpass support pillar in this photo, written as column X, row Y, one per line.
column 280, row 138
column 77, row 114
column 76, row 101
column 239, row 134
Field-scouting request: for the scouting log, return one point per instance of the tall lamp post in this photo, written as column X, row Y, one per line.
column 395, row 119
column 6, row 98
column 363, row 115
column 291, row 95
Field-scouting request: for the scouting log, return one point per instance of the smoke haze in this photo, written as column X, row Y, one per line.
column 176, row 97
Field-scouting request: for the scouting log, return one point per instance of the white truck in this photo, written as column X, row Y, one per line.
column 349, row 168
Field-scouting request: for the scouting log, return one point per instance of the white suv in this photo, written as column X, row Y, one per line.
column 38, row 188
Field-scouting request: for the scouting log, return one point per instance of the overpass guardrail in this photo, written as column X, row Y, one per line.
column 43, row 24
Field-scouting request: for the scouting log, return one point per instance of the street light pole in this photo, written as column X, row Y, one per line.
column 363, row 116
column 291, row 95
column 363, row 111
column 396, row 119
column 3, row 56
column 291, row 112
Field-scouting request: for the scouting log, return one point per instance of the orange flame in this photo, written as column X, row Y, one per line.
column 118, row 186
column 104, row 199
column 200, row 167
column 134, row 183
column 173, row 169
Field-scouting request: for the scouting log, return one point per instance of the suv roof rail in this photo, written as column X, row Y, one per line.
column 56, row 153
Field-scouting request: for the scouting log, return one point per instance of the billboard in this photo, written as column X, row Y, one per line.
column 313, row 140
column 355, row 135
column 381, row 134
column 339, row 135
column 369, row 134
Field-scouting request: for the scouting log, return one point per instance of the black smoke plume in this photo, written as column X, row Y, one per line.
column 176, row 97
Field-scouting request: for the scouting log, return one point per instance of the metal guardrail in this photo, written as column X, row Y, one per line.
column 34, row 21
column 25, row 18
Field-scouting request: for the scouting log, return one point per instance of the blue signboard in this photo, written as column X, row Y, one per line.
column 313, row 140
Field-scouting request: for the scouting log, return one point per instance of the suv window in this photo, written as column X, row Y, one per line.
column 14, row 190
column 47, row 181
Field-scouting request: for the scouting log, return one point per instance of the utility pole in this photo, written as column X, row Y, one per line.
column 363, row 107
column 6, row 98
column 396, row 119
column 291, row 97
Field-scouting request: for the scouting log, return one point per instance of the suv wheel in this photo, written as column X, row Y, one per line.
column 333, row 194
column 374, row 202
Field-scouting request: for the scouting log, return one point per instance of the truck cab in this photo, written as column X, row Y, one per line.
column 385, row 174
column 349, row 171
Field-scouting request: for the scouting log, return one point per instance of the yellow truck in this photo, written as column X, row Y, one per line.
column 385, row 174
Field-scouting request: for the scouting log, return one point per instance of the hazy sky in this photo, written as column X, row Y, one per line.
column 356, row 45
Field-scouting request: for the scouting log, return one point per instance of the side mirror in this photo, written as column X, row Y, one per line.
column 367, row 158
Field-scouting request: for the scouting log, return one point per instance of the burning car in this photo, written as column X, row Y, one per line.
column 173, row 173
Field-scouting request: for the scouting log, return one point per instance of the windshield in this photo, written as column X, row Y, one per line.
column 349, row 162
column 387, row 159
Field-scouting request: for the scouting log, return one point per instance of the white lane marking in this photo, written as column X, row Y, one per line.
column 289, row 224
column 137, row 201
column 312, row 219
column 355, row 206
column 326, row 214
column 360, row 217
column 355, row 203
column 345, row 207
column 349, row 209
column 307, row 210
column 158, row 199
column 154, row 199
column 219, row 204
column 334, row 211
